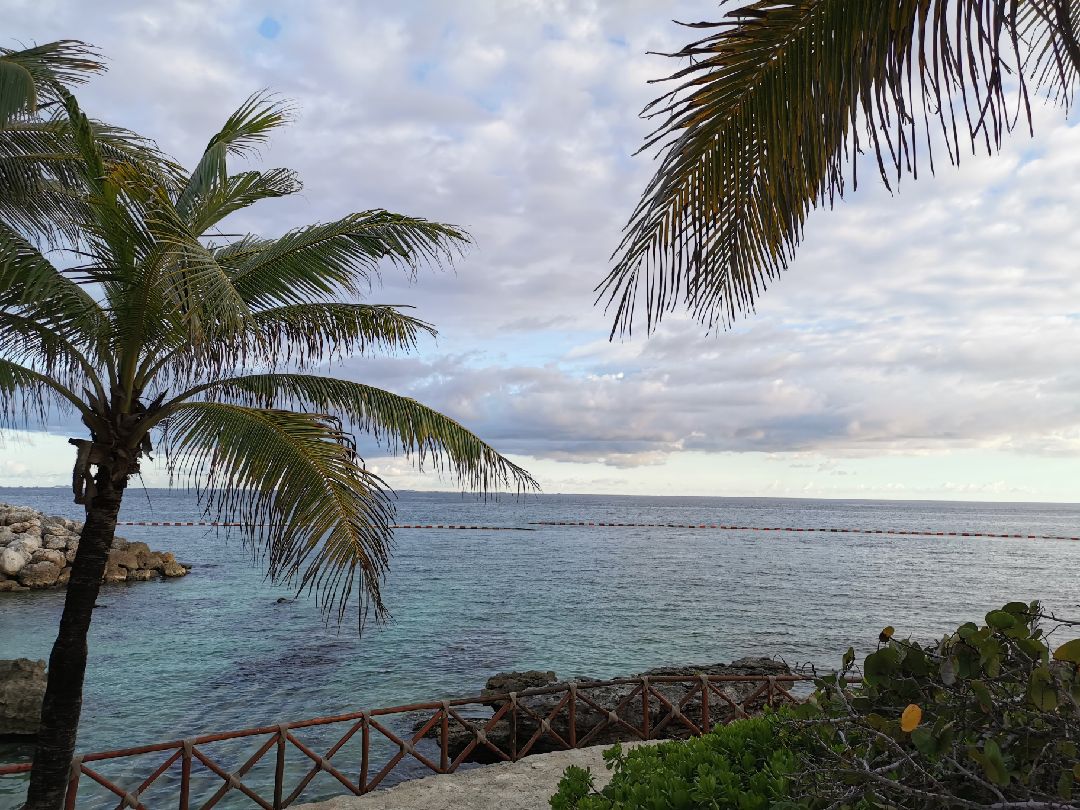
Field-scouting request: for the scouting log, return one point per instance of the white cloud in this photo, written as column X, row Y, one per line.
column 942, row 318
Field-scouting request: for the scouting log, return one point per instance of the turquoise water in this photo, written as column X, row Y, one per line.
column 216, row 651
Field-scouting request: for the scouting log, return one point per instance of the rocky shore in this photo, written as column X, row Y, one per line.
column 22, row 688
column 36, row 551
column 535, row 711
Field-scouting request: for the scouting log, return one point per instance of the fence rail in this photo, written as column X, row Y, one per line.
column 441, row 737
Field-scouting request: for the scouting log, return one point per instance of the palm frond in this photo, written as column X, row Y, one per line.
column 239, row 191
column 306, row 334
column 294, row 481
column 765, row 123
column 41, row 180
column 32, row 76
column 32, row 287
column 303, row 336
column 399, row 424
column 320, row 262
column 30, row 343
column 243, row 133
column 25, row 392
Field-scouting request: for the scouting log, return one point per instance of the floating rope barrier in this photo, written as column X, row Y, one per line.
column 720, row 526
column 255, row 525
column 595, row 524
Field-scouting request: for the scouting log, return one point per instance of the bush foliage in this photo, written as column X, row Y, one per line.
column 743, row 765
column 989, row 716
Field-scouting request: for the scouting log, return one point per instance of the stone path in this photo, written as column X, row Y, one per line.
column 523, row 785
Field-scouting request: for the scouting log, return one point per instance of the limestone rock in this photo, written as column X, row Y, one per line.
column 123, row 557
column 12, row 561
column 173, row 569
column 16, row 516
column 22, row 688
column 26, row 542
column 39, row 575
column 49, row 555
column 37, row 551
column 56, row 542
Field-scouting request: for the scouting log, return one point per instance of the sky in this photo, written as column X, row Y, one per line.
column 924, row 344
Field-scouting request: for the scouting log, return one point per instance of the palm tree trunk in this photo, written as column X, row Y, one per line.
column 67, row 664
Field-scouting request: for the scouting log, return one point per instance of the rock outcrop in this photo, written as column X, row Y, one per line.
column 535, row 709
column 36, row 551
column 22, row 688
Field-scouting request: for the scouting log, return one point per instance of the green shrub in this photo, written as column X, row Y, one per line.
column 988, row 716
column 742, row 765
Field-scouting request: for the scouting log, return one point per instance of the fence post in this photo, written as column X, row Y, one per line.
column 706, row 725
column 365, row 736
column 444, row 738
column 185, row 774
column 645, row 708
column 73, row 783
column 513, row 726
column 573, row 715
column 279, row 769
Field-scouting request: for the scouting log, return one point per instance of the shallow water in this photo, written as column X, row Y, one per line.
column 216, row 651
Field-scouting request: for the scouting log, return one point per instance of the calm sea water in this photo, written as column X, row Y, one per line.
column 216, row 651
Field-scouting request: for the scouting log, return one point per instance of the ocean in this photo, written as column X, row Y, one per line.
column 217, row 650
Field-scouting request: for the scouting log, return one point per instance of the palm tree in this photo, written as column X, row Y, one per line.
column 767, row 120
column 160, row 328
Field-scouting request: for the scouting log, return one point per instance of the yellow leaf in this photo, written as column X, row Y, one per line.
column 886, row 634
column 911, row 718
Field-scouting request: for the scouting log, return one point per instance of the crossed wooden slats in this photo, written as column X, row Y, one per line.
column 646, row 692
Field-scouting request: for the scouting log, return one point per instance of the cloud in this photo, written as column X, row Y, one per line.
column 944, row 316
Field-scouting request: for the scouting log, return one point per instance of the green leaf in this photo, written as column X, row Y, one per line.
column 1033, row 648
column 878, row 665
column 990, row 657
column 916, row 663
column 1069, row 651
column 923, row 739
column 1017, row 609
column 1065, row 785
column 1000, row 620
column 849, row 658
column 994, row 764
column 982, row 694
column 1041, row 691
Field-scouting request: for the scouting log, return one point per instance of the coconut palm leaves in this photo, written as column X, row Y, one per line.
column 160, row 327
column 765, row 123
column 39, row 176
